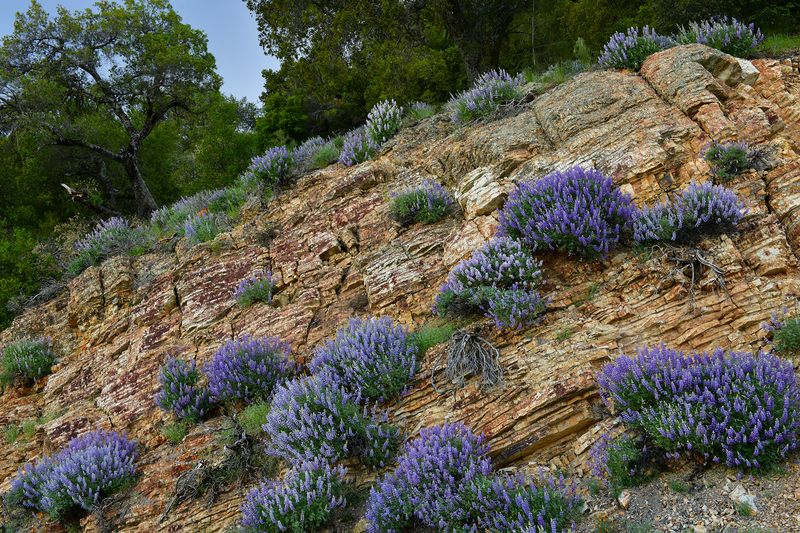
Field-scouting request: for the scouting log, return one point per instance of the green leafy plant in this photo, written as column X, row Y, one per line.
column 176, row 431
column 28, row 360
column 787, row 338
column 727, row 160
column 253, row 417
column 430, row 335
column 428, row 203
column 676, row 485
column 11, row 433
column 563, row 334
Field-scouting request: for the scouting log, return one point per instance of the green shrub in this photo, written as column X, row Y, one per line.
column 11, row 433
column 429, row 336
column 328, row 154
column 253, row 417
column 787, row 338
column 428, row 203
column 727, row 160
column 176, row 431
column 27, row 359
column 618, row 462
column 775, row 45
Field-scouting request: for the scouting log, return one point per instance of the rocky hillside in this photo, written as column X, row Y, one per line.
column 336, row 254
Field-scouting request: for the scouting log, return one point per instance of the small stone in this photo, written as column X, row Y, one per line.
column 624, row 499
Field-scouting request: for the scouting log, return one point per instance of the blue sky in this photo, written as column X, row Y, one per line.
column 231, row 30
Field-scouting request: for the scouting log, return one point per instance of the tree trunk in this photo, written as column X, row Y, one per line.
column 145, row 203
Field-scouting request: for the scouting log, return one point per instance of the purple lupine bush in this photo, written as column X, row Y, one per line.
column 427, row 203
column 384, row 120
column 723, row 33
column 272, row 167
column 258, row 287
column 315, row 417
column 491, row 90
column 699, row 210
column 358, row 147
column 428, row 485
column 500, row 280
column 630, row 49
column 248, row 369
column 304, row 154
column 204, row 226
column 110, row 237
column 444, row 480
column 28, row 360
column 90, row 468
column 738, row 408
column 727, row 160
column 372, row 357
column 784, row 332
column 518, row 503
column 618, row 462
column 578, row 211
column 302, row 501
column 172, row 218
column 181, row 391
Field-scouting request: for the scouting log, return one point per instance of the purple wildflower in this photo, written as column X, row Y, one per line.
column 273, row 166
column 427, row 203
column 248, row 369
column 256, row 288
column 29, row 359
column 384, row 120
column 358, row 147
column 578, row 211
column 630, row 49
column 739, row 408
column 371, row 357
column 181, row 391
column 204, row 226
column 699, row 210
column 302, row 501
column 726, row 34
column 487, row 94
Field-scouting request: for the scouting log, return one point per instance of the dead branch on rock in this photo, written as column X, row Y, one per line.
column 690, row 265
column 469, row 355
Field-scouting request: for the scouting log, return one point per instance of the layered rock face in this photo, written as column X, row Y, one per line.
column 335, row 254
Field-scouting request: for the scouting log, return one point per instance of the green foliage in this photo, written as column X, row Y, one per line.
column 727, row 160
column 778, row 45
column 11, row 433
column 176, row 431
column 27, row 359
column 563, row 334
column 253, row 417
column 282, row 119
column 787, row 338
column 676, row 485
column 430, row 335
column 29, row 428
column 328, row 153
column 744, row 509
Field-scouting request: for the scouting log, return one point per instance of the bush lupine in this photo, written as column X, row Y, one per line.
column 358, row 147
column 383, row 121
column 90, row 468
column 172, row 218
column 579, row 211
column 727, row 160
column 699, row 210
column 248, row 369
column 726, row 34
column 273, row 166
column 110, row 237
column 737, row 408
column 28, row 359
column 419, row 111
column 181, row 391
column 630, row 49
column 428, row 485
column 428, row 203
column 255, row 288
column 304, row 154
column 491, row 90
column 315, row 417
column 302, row 501
column 444, row 480
column 616, row 462
column 204, row 227
column 373, row 357
column 499, row 280
column 784, row 330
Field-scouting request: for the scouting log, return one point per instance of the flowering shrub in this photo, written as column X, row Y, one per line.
column 727, row 160
column 303, row 155
column 302, row 501
column 248, row 369
column 256, row 288
column 114, row 236
column 630, row 49
column 578, row 211
column 428, row 485
column 273, row 166
column 204, row 227
column 739, row 408
column 315, row 417
column 723, row 33
column 419, row 111
column 515, row 503
column 373, row 358
column 699, row 210
column 488, row 93
column 444, row 480
column 785, row 332
column 27, row 359
column 617, row 462
column 499, row 280
column 428, row 203
column 384, row 120
column 358, row 147
column 171, row 219
column 90, row 468
column 181, row 391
